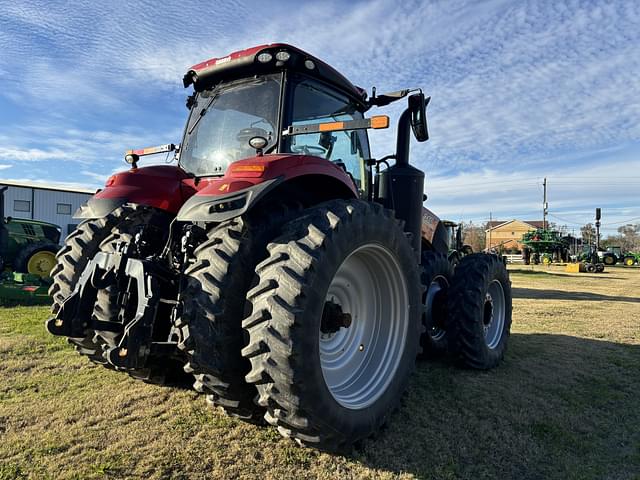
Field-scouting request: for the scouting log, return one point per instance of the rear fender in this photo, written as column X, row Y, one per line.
column 434, row 233
column 297, row 177
column 159, row 186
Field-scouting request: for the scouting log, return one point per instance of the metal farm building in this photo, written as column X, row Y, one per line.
column 47, row 203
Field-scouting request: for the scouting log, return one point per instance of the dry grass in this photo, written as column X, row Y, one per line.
column 565, row 404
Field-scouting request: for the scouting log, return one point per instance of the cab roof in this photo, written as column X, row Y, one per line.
column 245, row 63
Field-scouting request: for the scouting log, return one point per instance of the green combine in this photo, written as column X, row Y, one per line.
column 544, row 246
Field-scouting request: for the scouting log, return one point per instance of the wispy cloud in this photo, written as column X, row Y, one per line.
column 31, row 154
column 519, row 90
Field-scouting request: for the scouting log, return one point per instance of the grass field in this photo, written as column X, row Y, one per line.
column 565, row 404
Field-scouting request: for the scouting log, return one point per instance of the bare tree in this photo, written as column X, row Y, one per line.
column 473, row 235
column 588, row 233
column 630, row 237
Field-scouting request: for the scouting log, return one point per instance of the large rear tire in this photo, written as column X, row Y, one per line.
column 480, row 311
column 437, row 274
column 215, row 292
column 335, row 324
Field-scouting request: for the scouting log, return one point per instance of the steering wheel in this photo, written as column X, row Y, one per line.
column 307, row 149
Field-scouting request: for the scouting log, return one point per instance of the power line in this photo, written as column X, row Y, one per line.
column 565, row 220
column 625, row 221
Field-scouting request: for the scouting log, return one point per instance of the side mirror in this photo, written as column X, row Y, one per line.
column 418, row 108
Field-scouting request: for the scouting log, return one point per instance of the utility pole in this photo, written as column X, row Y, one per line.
column 545, row 205
column 598, row 215
column 490, row 228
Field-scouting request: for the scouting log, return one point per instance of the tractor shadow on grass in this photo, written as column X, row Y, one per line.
column 558, row 407
column 535, row 294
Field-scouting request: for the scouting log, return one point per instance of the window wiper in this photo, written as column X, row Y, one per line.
column 202, row 113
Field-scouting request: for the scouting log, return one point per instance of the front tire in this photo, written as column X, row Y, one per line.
column 480, row 310
column 335, row 324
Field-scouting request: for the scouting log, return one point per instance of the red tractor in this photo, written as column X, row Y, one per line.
column 278, row 264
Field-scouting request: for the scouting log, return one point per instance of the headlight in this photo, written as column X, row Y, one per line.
column 265, row 57
column 283, row 56
column 131, row 158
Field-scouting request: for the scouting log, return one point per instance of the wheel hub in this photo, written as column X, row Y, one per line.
column 364, row 326
column 41, row 263
column 435, row 308
column 494, row 314
column 333, row 318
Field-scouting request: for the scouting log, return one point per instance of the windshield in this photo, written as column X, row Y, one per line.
column 222, row 121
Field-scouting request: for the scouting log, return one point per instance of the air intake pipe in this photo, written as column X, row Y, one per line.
column 401, row 186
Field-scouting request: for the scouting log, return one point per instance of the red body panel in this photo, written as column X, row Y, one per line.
column 168, row 187
column 157, row 186
column 286, row 165
column 233, row 56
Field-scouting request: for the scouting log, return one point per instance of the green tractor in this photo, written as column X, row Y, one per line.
column 611, row 255
column 457, row 249
column 615, row 255
column 27, row 246
column 544, row 246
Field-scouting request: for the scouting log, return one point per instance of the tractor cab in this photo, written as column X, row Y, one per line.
column 247, row 103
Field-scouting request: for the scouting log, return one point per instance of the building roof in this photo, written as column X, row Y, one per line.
column 498, row 223
column 58, row 187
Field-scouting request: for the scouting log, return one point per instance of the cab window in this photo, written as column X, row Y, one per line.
column 312, row 103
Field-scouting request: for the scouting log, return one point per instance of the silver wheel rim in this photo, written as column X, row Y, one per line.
column 360, row 361
column 494, row 314
column 436, row 286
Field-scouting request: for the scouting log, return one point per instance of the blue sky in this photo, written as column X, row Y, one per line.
column 520, row 90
